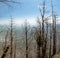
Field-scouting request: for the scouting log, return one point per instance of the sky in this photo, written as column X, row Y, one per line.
column 27, row 9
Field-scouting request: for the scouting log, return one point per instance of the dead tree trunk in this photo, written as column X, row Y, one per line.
column 5, row 52
column 54, row 35
column 15, row 49
column 39, row 43
column 26, row 31
column 50, row 43
column 43, row 37
column 6, row 48
column 38, row 51
column 46, row 38
column 26, row 46
column 5, row 40
column 11, row 35
column 53, row 30
column 38, row 38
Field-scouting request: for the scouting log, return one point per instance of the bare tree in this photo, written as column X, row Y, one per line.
column 6, row 47
column 43, row 37
column 11, row 36
column 53, row 29
column 5, row 52
column 38, row 38
column 38, row 42
column 26, row 31
column 5, row 40
column 54, row 35
column 46, row 38
column 50, row 43
column 15, row 46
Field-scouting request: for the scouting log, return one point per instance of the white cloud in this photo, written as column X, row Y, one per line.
column 4, row 22
column 20, row 21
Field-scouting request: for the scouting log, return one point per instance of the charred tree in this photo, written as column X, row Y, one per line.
column 50, row 43
column 46, row 38
column 39, row 43
column 53, row 30
column 6, row 48
column 5, row 52
column 43, row 11
column 5, row 40
column 54, row 35
column 43, row 37
column 15, row 48
column 38, row 36
column 26, row 37
column 11, row 37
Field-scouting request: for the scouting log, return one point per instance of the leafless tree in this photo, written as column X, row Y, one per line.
column 5, row 51
column 38, row 38
column 46, row 36
column 11, row 37
column 5, row 40
column 43, row 37
column 26, row 36
column 50, row 49
column 15, row 46
column 6, row 47
column 53, row 29
column 54, row 35
column 38, row 42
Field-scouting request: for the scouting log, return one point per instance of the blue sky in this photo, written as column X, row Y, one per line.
column 27, row 8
